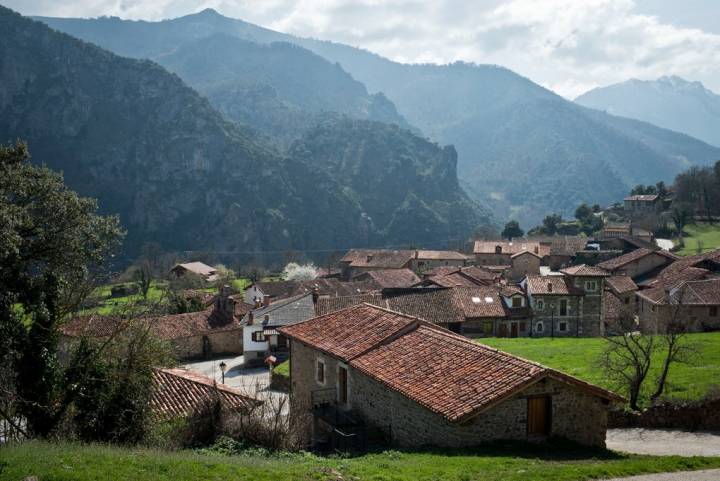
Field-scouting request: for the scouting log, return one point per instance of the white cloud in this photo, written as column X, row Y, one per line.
column 566, row 45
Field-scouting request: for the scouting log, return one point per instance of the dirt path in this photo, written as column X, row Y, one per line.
column 707, row 475
column 664, row 442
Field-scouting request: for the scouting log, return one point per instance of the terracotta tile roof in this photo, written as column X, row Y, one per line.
column 584, row 270
column 440, row 255
column 204, row 270
column 478, row 273
column 452, row 280
column 444, row 372
column 525, row 253
column 205, row 297
column 326, row 286
column 326, row 305
column 440, row 271
column 656, row 295
column 180, row 393
column 621, row 284
column 169, row 327
column 379, row 258
column 469, row 276
column 623, row 260
column 550, row 285
column 350, row 332
column 389, row 278
column 488, row 247
column 704, row 293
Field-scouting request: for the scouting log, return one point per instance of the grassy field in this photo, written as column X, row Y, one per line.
column 510, row 462
column 707, row 234
column 579, row 357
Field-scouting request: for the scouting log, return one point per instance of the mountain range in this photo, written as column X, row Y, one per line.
column 669, row 102
column 179, row 172
column 522, row 150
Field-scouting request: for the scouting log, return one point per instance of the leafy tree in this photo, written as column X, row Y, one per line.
column 297, row 272
column 52, row 243
column 661, row 189
column 143, row 279
column 512, row 230
column 680, row 217
column 551, row 222
column 583, row 212
column 596, row 208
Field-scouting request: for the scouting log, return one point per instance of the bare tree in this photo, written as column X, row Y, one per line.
column 674, row 342
column 627, row 358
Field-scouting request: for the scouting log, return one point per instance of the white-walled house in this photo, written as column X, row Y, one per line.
column 260, row 335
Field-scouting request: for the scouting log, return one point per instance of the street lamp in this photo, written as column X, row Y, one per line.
column 223, row 366
column 552, row 320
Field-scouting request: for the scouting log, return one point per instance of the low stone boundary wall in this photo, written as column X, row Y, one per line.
column 699, row 415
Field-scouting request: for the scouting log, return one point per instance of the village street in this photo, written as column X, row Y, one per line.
column 252, row 381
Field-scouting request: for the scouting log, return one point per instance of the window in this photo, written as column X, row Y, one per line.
column 540, row 304
column 563, row 307
column 713, row 311
column 591, row 286
column 258, row 336
column 563, row 326
column 320, row 371
column 487, row 328
column 627, row 300
column 539, row 327
column 517, row 301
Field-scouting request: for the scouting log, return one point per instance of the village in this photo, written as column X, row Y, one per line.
column 387, row 347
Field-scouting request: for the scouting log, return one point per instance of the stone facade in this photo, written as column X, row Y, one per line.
column 654, row 318
column 523, row 264
column 570, row 315
column 575, row 414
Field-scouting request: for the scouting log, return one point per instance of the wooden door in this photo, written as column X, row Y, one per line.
column 539, row 415
column 503, row 330
column 342, row 385
column 514, row 329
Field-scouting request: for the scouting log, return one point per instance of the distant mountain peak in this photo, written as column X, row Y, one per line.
column 209, row 12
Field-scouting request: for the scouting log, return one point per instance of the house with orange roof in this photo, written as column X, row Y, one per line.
column 369, row 369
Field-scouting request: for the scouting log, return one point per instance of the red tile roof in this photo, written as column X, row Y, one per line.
column 704, row 293
column 180, row 393
column 348, row 333
column 623, row 260
column 644, row 198
column 550, row 285
column 378, row 258
column 584, row 270
column 621, row 284
column 442, row 371
column 424, row 255
column 384, row 278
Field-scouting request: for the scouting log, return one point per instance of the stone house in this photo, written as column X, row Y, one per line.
column 620, row 301
column 567, row 305
column 368, row 369
column 193, row 335
column 204, row 271
column 499, row 253
column 638, row 263
column 523, row 264
column 638, row 205
column 260, row 336
column 179, row 393
column 693, row 304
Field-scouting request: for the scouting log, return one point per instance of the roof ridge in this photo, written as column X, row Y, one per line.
column 194, row 377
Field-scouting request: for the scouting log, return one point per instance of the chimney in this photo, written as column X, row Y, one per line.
column 266, row 300
column 369, row 258
column 537, row 250
column 224, row 304
column 315, row 295
column 251, row 318
column 549, row 286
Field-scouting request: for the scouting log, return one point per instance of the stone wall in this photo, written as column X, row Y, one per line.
column 576, row 415
column 227, row 342
column 654, row 318
column 699, row 415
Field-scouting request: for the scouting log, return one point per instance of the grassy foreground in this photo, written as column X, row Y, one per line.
column 61, row 462
column 579, row 357
column 707, row 234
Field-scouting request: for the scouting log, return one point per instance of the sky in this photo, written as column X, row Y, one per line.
column 569, row 46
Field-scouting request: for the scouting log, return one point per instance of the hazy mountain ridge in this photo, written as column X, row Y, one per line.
column 280, row 88
column 155, row 152
column 521, row 148
column 669, row 102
